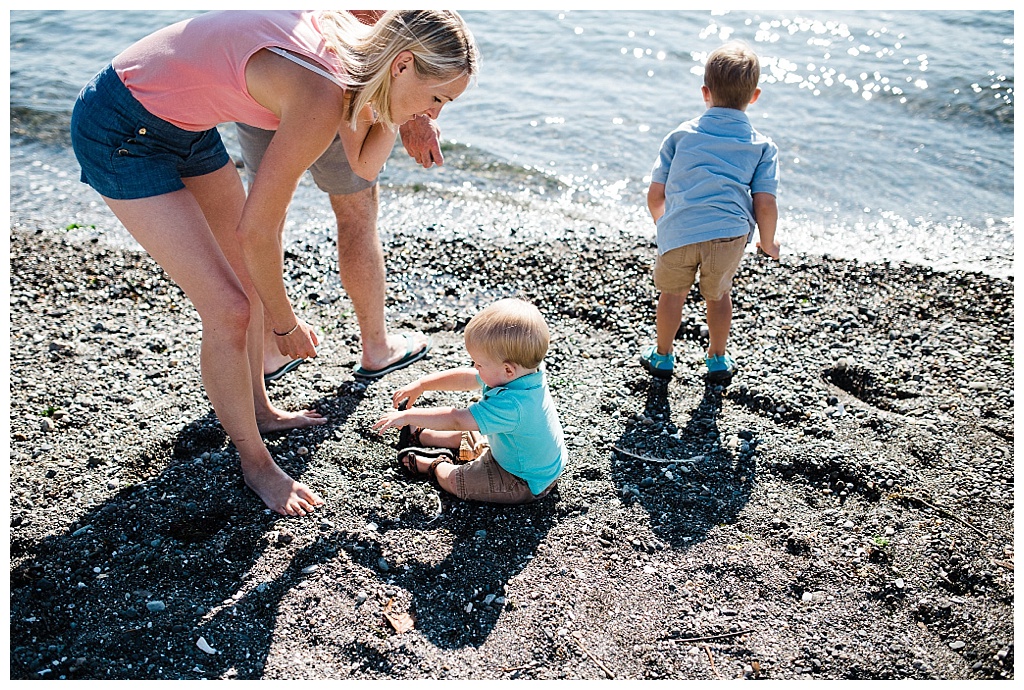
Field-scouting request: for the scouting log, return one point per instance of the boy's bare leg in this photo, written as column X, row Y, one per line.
column 669, row 316
column 719, row 323
column 361, row 266
column 440, row 439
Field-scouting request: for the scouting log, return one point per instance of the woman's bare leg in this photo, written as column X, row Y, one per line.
column 221, row 197
column 174, row 231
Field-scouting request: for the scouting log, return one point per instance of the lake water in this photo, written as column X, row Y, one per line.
column 895, row 127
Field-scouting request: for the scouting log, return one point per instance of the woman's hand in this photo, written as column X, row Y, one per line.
column 300, row 343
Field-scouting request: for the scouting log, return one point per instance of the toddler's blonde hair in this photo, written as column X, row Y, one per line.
column 510, row 330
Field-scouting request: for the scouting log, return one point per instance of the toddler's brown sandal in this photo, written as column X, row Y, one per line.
column 406, row 460
column 409, row 437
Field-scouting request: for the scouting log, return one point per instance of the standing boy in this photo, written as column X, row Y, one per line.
column 715, row 180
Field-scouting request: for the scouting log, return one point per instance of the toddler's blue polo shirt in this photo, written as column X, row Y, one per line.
column 521, row 424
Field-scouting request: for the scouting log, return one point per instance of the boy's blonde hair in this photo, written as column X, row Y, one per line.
column 731, row 74
column 510, row 330
column 441, row 44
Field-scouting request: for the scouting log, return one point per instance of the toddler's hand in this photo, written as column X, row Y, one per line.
column 391, row 420
column 408, row 393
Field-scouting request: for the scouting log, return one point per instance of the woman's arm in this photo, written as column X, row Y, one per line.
column 310, row 110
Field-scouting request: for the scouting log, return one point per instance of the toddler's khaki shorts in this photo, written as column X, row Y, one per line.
column 718, row 260
column 485, row 480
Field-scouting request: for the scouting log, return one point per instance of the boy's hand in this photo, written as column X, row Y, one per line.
column 772, row 249
column 408, row 393
column 391, row 420
column 421, row 138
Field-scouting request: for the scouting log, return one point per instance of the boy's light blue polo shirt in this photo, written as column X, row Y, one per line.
column 521, row 424
column 710, row 166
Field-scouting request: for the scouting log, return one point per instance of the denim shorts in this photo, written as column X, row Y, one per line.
column 331, row 171
column 126, row 152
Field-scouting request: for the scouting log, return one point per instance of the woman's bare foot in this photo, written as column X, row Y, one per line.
column 275, row 419
column 280, row 492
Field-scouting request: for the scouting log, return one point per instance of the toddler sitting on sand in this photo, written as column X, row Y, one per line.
column 506, row 448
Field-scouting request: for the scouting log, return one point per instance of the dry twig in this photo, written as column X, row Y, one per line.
column 516, row 668
column 710, row 637
column 711, row 661
column 942, row 511
column 663, row 461
column 597, row 661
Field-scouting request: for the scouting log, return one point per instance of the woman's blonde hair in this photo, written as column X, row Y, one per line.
column 440, row 42
column 510, row 330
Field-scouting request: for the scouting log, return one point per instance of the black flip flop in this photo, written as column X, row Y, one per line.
column 275, row 375
column 405, row 361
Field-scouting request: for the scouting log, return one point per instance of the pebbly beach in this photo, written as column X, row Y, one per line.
column 843, row 509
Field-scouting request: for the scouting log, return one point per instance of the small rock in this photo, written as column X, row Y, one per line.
column 957, row 645
column 205, row 646
column 156, row 606
column 360, row 598
column 382, row 563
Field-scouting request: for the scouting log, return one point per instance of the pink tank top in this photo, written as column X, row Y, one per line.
column 192, row 74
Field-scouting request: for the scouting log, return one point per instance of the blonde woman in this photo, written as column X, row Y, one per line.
column 144, row 131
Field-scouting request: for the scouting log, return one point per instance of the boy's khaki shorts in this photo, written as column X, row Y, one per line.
column 718, row 260
column 484, row 479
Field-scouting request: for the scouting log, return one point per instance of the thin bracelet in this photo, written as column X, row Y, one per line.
column 288, row 332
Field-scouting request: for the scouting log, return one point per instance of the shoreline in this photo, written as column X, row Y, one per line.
column 843, row 509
